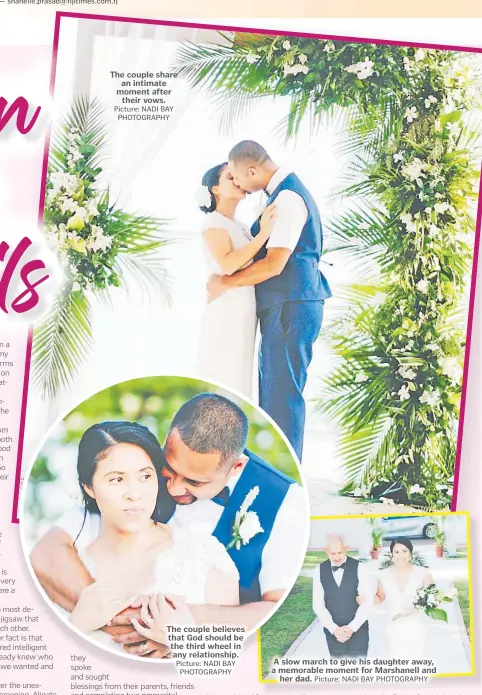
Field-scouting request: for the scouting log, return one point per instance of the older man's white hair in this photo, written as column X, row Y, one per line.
column 335, row 537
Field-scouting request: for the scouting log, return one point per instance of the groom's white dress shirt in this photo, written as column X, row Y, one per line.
column 366, row 588
column 282, row 555
column 291, row 214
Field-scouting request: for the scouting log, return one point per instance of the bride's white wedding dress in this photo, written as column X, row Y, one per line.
column 181, row 570
column 228, row 327
column 407, row 636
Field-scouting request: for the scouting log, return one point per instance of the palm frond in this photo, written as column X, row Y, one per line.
column 216, row 67
column 148, row 272
column 61, row 343
column 361, row 449
column 86, row 116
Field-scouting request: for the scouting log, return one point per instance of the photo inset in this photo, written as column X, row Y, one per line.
column 313, row 252
column 163, row 501
column 381, row 594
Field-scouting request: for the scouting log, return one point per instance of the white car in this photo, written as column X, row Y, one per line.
column 408, row 527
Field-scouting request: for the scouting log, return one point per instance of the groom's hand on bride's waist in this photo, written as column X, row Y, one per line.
column 215, row 287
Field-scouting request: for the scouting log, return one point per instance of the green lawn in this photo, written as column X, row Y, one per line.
column 462, row 587
column 294, row 616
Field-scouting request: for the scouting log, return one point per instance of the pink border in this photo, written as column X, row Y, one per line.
column 272, row 32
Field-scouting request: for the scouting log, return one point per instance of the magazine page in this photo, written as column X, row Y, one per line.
column 239, row 353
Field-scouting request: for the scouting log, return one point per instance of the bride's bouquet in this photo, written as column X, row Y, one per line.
column 429, row 599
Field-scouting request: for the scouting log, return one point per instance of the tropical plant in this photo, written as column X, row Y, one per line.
column 417, row 559
column 440, row 535
column 98, row 246
column 395, row 392
column 377, row 537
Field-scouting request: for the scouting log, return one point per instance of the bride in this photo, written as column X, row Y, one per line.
column 397, row 586
column 119, row 471
column 228, row 328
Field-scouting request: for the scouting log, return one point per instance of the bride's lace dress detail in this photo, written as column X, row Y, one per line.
column 228, row 326
column 181, row 570
column 407, row 635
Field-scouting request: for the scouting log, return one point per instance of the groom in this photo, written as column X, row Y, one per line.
column 337, row 584
column 209, row 474
column 290, row 289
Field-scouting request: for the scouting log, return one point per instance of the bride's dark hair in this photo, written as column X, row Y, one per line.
column 402, row 541
column 96, row 443
column 210, row 179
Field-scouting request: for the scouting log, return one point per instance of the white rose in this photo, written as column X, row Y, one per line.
column 286, row 45
column 249, row 527
column 249, row 499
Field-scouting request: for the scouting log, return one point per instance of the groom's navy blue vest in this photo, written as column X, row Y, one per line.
column 301, row 279
column 273, row 486
column 340, row 601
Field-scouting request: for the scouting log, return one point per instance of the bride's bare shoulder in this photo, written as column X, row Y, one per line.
column 163, row 535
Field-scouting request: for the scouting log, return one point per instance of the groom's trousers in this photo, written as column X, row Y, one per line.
column 288, row 331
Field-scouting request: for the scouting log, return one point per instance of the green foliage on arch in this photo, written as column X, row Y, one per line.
column 409, row 112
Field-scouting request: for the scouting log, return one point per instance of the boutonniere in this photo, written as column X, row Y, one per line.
column 246, row 523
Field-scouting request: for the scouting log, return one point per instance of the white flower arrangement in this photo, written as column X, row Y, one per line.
column 246, row 523
column 295, row 69
column 428, row 600
column 362, row 491
column 422, row 286
column 363, row 69
column 419, row 55
column 414, row 170
column 407, row 372
column 451, row 368
column 430, row 398
column 203, row 197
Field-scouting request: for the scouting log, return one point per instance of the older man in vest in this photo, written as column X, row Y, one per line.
column 343, row 596
column 290, row 289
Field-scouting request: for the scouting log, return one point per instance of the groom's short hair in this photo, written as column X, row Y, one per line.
column 210, row 423
column 249, row 151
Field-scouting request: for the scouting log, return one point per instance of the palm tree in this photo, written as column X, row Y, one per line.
column 99, row 247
